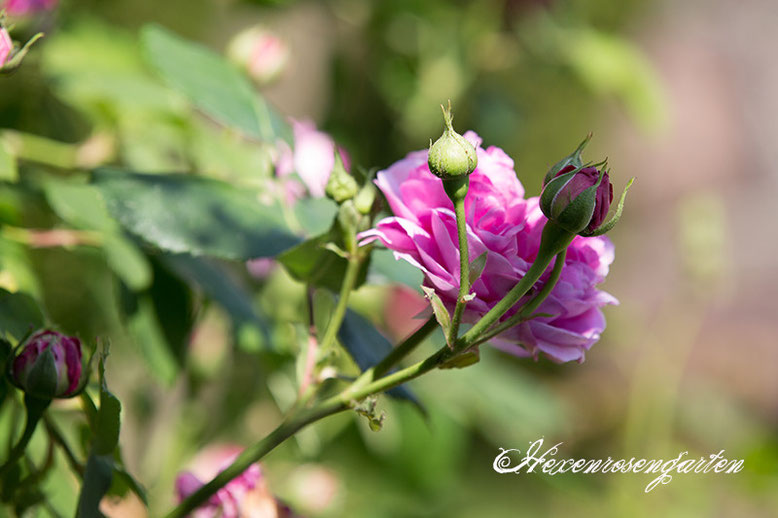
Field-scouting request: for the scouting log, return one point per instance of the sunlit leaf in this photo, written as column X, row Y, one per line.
column 187, row 214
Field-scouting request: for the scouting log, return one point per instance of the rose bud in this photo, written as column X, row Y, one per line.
column 49, row 366
column 6, row 46
column 577, row 199
column 341, row 186
column 451, row 156
column 261, row 53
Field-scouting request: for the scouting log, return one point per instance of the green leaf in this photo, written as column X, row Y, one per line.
column 78, row 204
column 19, row 314
column 108, row 419
column 123, row 481
column 439, row 309
column 187, row 214
column 314, row 263
column 127, row 261
column 81, row 205
column 8, row 170
column 477, row 267
column 212, row 84
column 384, row 264
column 217, row 285
column 172, row 300
column 97, row 480
column 367, row 347
column 315, row 214
column 147, row 333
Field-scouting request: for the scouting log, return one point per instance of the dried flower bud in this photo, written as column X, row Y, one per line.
column 451, row 156
column 577, row 199
column 49, row 366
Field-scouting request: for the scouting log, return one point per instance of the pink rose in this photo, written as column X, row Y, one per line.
column 6, row 46
column 24, row 7
column 245, row 495
column 506, row 226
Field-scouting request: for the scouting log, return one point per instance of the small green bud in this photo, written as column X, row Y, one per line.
column 365, row 198
column 451, row 156
column 341, row 186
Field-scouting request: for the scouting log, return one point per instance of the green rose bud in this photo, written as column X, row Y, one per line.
column 451, row 156
column 341, row 186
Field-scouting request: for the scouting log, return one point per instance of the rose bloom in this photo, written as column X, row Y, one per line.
column 245, row 496
column 23, row 7
column 508, row 227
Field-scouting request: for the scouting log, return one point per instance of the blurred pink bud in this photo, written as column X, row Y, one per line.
column 261, row 268
column 314, row 156
column 49, row 365
column 24, row 7
column 245, row 495
column 260, row 52
column 6, row 46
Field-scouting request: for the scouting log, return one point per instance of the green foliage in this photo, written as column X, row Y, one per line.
column 187, row 214
column 211, row 84
column 19, row 314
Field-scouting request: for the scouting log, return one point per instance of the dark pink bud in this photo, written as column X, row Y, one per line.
column 49, row 365
column 560, row 193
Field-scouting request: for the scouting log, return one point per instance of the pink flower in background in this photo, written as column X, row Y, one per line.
column 506, row 226
column 244, row 496
column 6, row 46
column 313, row 157
column 23, row 7
column 260, row 52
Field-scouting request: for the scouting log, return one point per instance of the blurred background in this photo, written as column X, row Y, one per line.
column 680, row 95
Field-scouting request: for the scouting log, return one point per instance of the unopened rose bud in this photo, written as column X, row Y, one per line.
column 577, row 199
column 49, row 366
column 451, row 156
column 341, row 186
column 261, row 53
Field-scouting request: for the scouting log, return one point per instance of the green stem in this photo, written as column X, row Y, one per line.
column 349, row 281
column 58, row 438
column 526, row 312
column 405, row 348
column 35, row 409
column 294, row 423
column 464, row 270
column 553, row 241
